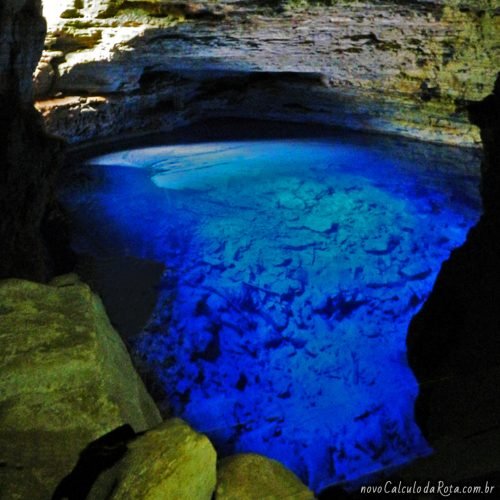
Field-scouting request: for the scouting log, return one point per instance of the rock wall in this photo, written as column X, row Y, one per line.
column 398, row 67
column 28, row 158
column 453, row 342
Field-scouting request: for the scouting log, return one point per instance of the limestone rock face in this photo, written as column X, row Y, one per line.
column 170, row 461
column 65, row 379
column 43, row 78
column 399, row 67
column 100, row 7
column 249, row 477
column 69, row 9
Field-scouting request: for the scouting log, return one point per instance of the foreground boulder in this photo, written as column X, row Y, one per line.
column 171, row 461
column 65, row 379
column 251, row 477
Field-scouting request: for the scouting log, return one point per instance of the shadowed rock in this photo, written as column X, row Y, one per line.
column 31, row 226
column 98, row 456
column 453, row 342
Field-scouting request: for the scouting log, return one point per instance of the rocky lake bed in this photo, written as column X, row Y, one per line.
column 293, row 268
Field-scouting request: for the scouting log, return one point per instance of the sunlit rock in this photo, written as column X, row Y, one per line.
column 404, row 68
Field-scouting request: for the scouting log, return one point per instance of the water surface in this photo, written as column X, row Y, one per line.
column 293, row 270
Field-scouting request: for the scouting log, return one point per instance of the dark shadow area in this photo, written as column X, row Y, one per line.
column 454, row 342
column 127, row 287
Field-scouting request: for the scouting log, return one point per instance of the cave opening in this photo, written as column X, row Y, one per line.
column 294, row 262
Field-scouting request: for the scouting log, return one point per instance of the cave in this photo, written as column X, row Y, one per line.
column 249, row 249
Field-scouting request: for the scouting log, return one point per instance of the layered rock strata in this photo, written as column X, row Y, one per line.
column 384, row 66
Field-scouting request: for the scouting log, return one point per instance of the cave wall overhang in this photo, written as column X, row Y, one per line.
column 407, row 68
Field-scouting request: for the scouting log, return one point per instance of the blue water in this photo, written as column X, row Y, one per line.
column 293, row 270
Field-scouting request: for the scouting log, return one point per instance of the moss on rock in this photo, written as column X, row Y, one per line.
column 250, row 477
column 65, row 379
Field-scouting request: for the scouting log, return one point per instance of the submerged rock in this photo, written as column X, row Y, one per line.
column 264, row 337
column 65, row 379
column 250, row 476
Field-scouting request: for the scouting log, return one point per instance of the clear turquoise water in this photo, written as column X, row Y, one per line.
column 293, row 270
